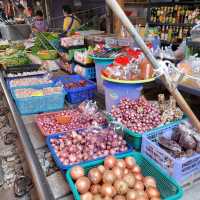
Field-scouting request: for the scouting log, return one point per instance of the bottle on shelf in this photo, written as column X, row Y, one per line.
column 162, row 37
column 175, row 15
column 166, row 34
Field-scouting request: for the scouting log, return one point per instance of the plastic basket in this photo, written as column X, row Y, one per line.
column 66, row 167
column 21, row 68
column 72, row 51
column 179, row 168
column 87, row 72
column 39, row 104
column 77, row 95
column 168, row 188
column 29, row 86
column 135, row 139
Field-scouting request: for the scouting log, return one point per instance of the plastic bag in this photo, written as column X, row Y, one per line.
column 88, row 107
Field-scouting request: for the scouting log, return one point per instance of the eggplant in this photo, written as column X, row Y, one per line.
column 187, row 142
column 169, row 144
column 176, row 135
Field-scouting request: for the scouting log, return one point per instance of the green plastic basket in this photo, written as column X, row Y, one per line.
column 134, row 139
column 72, row 51
column 169, row 189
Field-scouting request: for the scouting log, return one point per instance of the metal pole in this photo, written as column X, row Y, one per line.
column 39, row 179
column 165, row 78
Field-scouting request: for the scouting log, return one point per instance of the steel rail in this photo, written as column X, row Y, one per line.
column 39, row 179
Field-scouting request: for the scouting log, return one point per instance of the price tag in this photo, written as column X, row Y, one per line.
column 37, row 94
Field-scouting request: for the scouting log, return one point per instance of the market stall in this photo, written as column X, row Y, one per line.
column 84, row 124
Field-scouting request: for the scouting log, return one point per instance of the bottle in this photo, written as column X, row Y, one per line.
column 180, row 36
column 158, row 15
column 166, row 34
column 163, row 33
column 152, row 14
column 170, row 34
column 183, row 15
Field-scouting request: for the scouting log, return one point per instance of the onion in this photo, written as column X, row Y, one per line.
column 95, row 189
column 136, row 169
column 126, row 171
column 107, row 198
column 121, row 163
column 87, row 196
column 152, row 192
column 130, row 180
column 109, row 162
column 109, row 177
column 95, row 175
column 83, row 184
column 141, row 193
column 121, row 187
column 130, row 162
column 131, row 195
column 77, row 172
column 119, row 197
column 118, row 172
column 155, row 198
column 142, row 198
column 101, row 168
column 107, row 190
column 139, row 185
column 138, row 177
column 149, row 181
column 97, row 197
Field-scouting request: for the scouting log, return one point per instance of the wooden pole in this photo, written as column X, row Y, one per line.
column 165, row 78
column 117, row 23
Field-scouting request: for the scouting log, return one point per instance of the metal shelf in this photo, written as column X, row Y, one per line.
column 173, row 2
column 39, row 179
column 168, row 24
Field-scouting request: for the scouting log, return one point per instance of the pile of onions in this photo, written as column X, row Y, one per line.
column 137, row 115
column 117, row 180
column 50, row 123
column 86, row 145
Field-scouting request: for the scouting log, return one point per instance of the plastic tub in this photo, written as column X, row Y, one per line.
column 114, row 92
column 101, row 63
column 66, row 167
column 181, row 169
column 77, row 95
column 169, row 189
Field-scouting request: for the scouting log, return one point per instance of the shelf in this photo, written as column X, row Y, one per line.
column 168, row 24
column 163, row 42
column 129, row 3
column 84, row 65
column 172, row 3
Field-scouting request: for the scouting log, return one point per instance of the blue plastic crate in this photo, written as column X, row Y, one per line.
column 88, row 72
column 178, row 168
column 66, row 167
column 77, row 95
column 39, row 104
column 35, row 86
